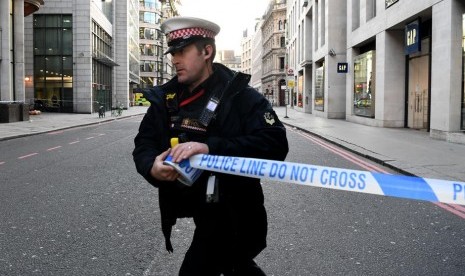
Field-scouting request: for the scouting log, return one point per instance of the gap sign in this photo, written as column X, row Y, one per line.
column 412, row 37
column 342, row 67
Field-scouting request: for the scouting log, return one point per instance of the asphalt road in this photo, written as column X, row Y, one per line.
column 72, row 204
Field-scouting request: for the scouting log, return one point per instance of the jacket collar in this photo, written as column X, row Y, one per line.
column 221, row 75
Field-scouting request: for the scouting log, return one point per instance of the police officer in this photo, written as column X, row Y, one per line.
column 208, row 109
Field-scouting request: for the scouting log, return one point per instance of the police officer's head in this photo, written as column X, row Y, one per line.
column 182, row 31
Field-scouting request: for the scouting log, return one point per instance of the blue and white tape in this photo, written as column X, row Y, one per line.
column 334, row 178
column 187, row 174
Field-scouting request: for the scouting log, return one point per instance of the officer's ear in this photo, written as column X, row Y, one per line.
column 207, row 51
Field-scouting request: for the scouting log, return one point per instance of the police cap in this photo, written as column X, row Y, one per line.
column 182, row 31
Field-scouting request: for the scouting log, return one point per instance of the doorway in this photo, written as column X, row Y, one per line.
column 418, row 116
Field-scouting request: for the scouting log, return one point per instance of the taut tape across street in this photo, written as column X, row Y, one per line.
column 334, row 178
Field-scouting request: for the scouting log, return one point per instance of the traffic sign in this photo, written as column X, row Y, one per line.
column 290, row 83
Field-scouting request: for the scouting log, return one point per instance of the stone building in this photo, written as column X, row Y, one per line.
column 383, row 63
column 274, row 52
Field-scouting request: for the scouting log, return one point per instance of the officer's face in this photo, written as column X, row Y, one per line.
column 191, row 66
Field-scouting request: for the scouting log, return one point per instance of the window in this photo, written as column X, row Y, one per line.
column 53, row 61
column 370, row 9
column 101, row 66
column 281, row 63
column 355, row 14
column 149, row 17
column 364, row 81
column 319, row 101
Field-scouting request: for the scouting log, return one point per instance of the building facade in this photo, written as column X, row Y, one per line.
column 229, row 59
column 82, row 57
column 383, row 63
column 155, row 67
column 12, row 48
column 316, row 44
column 151, row 43
column 407, row 65
column 246, row 52
column 274, row 52
column 256, row 72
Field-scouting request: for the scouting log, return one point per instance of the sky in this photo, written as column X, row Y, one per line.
column 233, row 17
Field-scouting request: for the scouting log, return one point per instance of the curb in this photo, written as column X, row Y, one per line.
column 104, row 120
column 369, row 157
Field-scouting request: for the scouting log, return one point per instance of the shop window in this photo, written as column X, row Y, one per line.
column 364, row 84
column 300, row 90
column 320, row 88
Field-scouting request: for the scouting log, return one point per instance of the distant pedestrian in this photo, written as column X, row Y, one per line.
column 210, row 109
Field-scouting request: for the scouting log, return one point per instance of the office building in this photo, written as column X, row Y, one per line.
column 84, row 54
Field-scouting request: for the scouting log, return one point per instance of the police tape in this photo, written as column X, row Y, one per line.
column 409, row 187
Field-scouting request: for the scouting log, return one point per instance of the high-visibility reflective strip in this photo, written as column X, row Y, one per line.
column 410, row 187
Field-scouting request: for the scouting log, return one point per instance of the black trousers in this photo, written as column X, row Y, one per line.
column 204, row 260
column 214, row 250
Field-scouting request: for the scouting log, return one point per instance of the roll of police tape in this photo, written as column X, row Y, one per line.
column 409, row 187
column 187, row 174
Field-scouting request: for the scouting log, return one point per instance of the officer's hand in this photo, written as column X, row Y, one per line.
column 185, row 150
column 163, row 172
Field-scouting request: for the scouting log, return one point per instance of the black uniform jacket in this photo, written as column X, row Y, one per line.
column 245, row 125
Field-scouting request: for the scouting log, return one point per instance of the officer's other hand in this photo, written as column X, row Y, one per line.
column 163, row 172
column 185, row 150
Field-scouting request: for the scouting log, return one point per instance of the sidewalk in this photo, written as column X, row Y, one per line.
column 409, row 151
column 50, row 121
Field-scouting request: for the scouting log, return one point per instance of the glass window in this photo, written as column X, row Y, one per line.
column 39, row 21
column 319, row 88
column 39, row 68
column 52, row 21
column 53, row 68
column 53, row 41
column 102, row 67
column 67, row 69
column 67, row 44
column 39, row 41
column 364, row 81
column 148, row 17
column 149, row 33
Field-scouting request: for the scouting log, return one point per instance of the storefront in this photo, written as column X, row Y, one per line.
column 418, row 45
column 300, row 89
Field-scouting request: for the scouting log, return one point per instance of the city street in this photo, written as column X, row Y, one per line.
column 73, row 204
